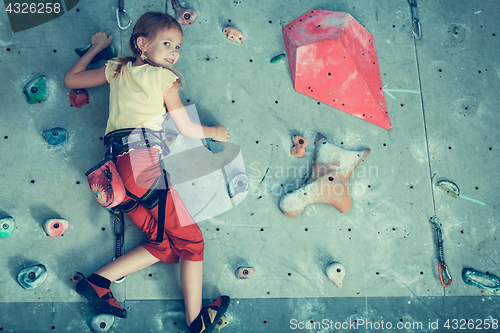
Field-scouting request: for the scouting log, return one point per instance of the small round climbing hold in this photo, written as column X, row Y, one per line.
column 299, row 146
column 222, row 322
column 238, row 184
column 78, row 98
column 32, row 277
column 245, row 272
column 336, row 273
column 102, row 322
column 36, row 90
column 7, row 226
column 55, row 136
column 55, row 227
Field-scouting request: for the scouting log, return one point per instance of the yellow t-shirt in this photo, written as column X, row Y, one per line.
column 136, row 95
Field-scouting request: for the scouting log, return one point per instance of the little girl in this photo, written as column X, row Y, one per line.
column 140, row 88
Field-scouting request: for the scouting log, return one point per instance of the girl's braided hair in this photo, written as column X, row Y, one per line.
column 149, row 25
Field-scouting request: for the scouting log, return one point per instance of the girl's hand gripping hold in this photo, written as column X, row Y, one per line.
column 78, row 76
column 101, row 40
column 222, row 134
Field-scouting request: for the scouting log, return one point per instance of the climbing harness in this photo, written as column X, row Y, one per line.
column 118, row 142
column 442, row 267
column 415, row 27
column 486, row 282
column 119, row 10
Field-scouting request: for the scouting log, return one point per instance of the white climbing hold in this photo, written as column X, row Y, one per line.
column 336, row 273
column 102, row 322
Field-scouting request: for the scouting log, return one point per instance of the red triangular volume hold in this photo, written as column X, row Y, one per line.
column 333, row 60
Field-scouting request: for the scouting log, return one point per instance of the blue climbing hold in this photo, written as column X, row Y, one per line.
column 7, row 226
column 32, row 277
column 36, row 90
column 55, row 136
column 215, row 147
column 486, row 282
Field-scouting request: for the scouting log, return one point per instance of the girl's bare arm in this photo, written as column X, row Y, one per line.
column 78, row 76
column 184, row 124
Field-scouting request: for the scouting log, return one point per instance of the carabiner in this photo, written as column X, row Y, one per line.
column 448, row 276
column 118, row 21
column 416, row 24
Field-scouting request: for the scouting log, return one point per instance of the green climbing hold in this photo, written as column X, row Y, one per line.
column 277, row 58
column 36, row 90
column 486, row 282
column 7, row 226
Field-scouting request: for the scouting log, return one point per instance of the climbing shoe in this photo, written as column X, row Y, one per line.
column 101, row 298
column 209, row 316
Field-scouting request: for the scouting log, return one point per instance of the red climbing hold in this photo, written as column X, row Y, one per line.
column 55, row 227
column 78, row 98
column 333, row 60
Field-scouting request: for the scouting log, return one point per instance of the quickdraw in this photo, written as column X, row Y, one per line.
column 119, row 233
column 442, row 267
column 121, row 9
column 414, row 19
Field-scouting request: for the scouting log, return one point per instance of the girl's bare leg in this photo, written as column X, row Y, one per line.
column 130, row 262
column 191, row 281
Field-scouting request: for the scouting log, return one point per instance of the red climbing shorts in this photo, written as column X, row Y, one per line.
column 182, row 236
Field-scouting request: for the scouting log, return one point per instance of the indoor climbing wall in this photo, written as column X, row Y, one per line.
column 334, row 223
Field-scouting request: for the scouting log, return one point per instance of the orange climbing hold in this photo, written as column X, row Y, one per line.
column 183, row 15
column 329, row 180
column 299, row 146
column 333, row 60
column 233, row 34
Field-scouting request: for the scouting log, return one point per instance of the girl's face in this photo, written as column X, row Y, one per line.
column 165, row 50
